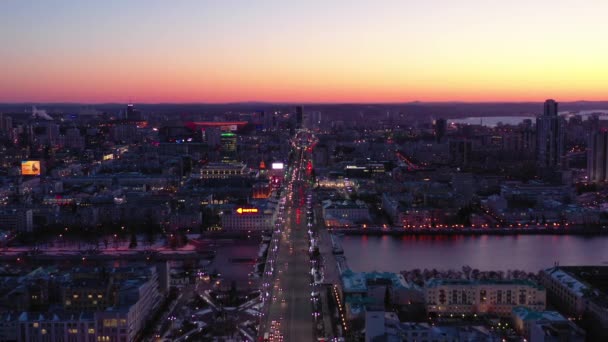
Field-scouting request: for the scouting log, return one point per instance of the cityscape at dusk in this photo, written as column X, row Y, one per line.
column 323, row 171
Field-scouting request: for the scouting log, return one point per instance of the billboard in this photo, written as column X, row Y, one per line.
column 277, row 166
column 30, row 168
column 247, row 210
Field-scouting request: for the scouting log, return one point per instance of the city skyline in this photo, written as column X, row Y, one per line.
column 269, row 51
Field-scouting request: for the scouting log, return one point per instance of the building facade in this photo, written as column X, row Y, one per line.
column 448, row 296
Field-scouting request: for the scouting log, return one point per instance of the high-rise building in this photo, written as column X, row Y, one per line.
column 132, row 114
column 597, row 156
column 212, row 136
column 440, row 127
column 267, row 120
column 299, row 117
column 550, row 137
column 228, row 142
column 315, row 119
column 460, row 151
column 130, row 110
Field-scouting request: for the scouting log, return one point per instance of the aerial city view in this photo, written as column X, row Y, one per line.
column 233, row 170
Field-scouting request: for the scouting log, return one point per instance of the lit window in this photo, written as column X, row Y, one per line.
column 90, row 296
column 110, row 322
column 35, row 325
column 43, row 331
column 75, row 296
column 68, row 302
column 73, row 331
column 91, row 331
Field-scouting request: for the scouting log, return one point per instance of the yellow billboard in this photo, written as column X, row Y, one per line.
column 247, row 210
column 30, row 167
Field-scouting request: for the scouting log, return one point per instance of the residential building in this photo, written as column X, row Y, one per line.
column 498, row 297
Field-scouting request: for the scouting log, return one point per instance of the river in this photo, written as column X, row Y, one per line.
column 487, row 252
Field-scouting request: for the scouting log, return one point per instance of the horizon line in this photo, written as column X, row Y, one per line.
column 291, row 102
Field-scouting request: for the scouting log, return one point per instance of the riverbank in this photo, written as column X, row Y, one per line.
column 394, row 231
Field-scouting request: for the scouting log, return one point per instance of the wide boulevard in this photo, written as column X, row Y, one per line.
column 290, row 315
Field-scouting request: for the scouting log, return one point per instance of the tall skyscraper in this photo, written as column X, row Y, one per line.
column 299, row 117
column 130, row 111
column 315, row 119
column 267, row 120
column 440, row 129
column 228, row 141
column 132, row 114
column 550, row 137
column 597, row 156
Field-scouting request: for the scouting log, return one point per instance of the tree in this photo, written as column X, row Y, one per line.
column 232, row 294
column 387, row 298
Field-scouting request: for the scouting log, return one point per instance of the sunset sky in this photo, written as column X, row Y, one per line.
column 302, row 51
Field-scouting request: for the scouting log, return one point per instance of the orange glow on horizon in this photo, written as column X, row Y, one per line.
column 314, row 51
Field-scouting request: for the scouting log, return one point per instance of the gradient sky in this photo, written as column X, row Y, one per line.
column 302, row 51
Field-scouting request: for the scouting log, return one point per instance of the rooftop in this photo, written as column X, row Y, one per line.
column 526, row 314
column 358, row 281
column 464, row 282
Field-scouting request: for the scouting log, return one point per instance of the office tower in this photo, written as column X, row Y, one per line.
column 550, row 137
column 299, row 117
column 315, row 119
column 267, row 120
column 228, row 141
column 212, row 136
column 130, row 110
column 460, row 152
column 133, row 114
column 440, row 127
column 73, row 139
column 597, row 156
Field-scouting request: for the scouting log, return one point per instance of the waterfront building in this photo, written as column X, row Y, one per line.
column 550, row 137
column 580, row 292
column 535, row 191
column 498, row 297
column 597, row 156
column 372, row 290
column 345, row 213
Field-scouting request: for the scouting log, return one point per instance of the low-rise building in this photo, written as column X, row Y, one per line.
column 498, row 297
column 248, row 218
column 363, row 290
column 547, row 331
column 525, row 321
column 385, row 326
column 580, row 293
column 345, row 213
column 223, row 170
